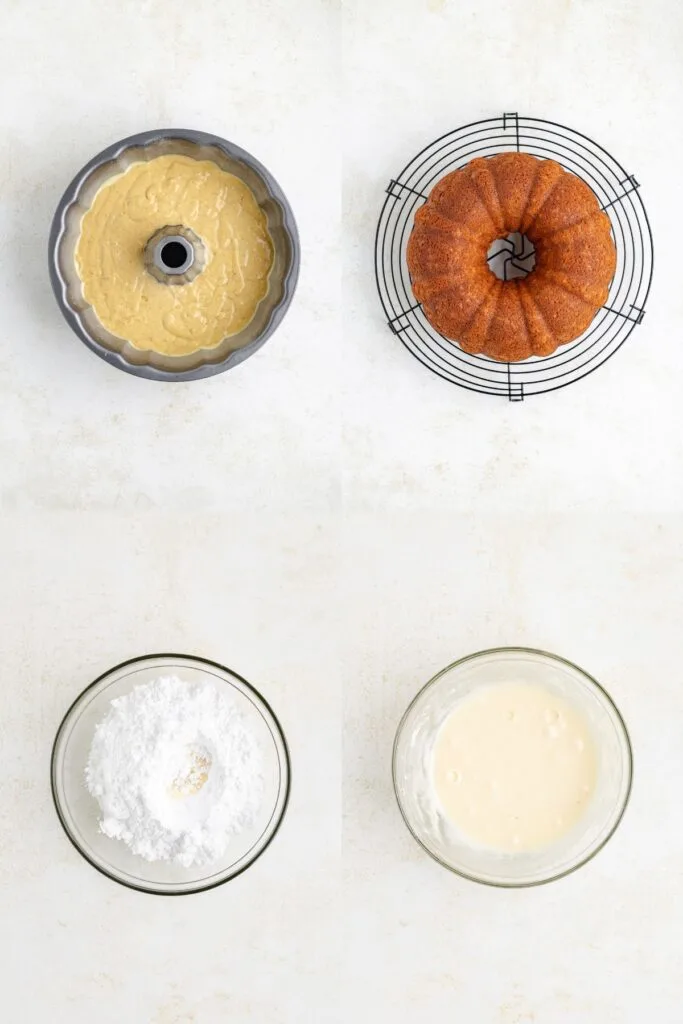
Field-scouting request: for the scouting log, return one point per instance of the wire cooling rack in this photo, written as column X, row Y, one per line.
column 618, row 194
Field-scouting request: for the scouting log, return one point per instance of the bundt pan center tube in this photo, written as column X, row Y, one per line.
column 489, row 199
column 174, row 255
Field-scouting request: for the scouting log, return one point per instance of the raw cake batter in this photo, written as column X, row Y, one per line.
column 170, row 190
column 514, row 766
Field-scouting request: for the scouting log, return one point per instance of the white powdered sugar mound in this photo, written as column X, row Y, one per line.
column 176, row 771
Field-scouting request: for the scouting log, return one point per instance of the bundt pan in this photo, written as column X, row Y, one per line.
column 66, row 229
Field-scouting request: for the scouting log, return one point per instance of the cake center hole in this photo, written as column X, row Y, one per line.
column 511, row 257
column 174, row 255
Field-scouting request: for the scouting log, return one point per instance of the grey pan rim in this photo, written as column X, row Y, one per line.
column 146, row 139
column 53, row 786
column 629, row 748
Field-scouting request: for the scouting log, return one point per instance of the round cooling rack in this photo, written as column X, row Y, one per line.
column 618, row 195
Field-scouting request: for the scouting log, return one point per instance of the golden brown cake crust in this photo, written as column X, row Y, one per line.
column 490, row 198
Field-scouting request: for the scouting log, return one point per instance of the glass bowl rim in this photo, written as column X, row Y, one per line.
column 628, row 748
column 201, row 661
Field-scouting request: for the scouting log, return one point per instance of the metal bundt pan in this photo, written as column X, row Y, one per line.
column 66, row 229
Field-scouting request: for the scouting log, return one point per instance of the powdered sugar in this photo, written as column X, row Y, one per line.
column 176, row 771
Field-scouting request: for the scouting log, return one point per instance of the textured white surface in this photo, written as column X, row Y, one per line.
column 555, row 523
column 140, row 517
column 335, row 523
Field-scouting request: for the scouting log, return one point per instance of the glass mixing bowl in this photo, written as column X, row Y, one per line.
column 412, row 763
column 79, row 812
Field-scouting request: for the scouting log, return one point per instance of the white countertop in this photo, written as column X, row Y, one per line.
column 336, row 523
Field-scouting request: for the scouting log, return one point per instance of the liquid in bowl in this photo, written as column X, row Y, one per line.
column 458, row 844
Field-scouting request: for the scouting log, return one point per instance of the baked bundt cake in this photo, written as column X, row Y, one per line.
column 491, row 198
